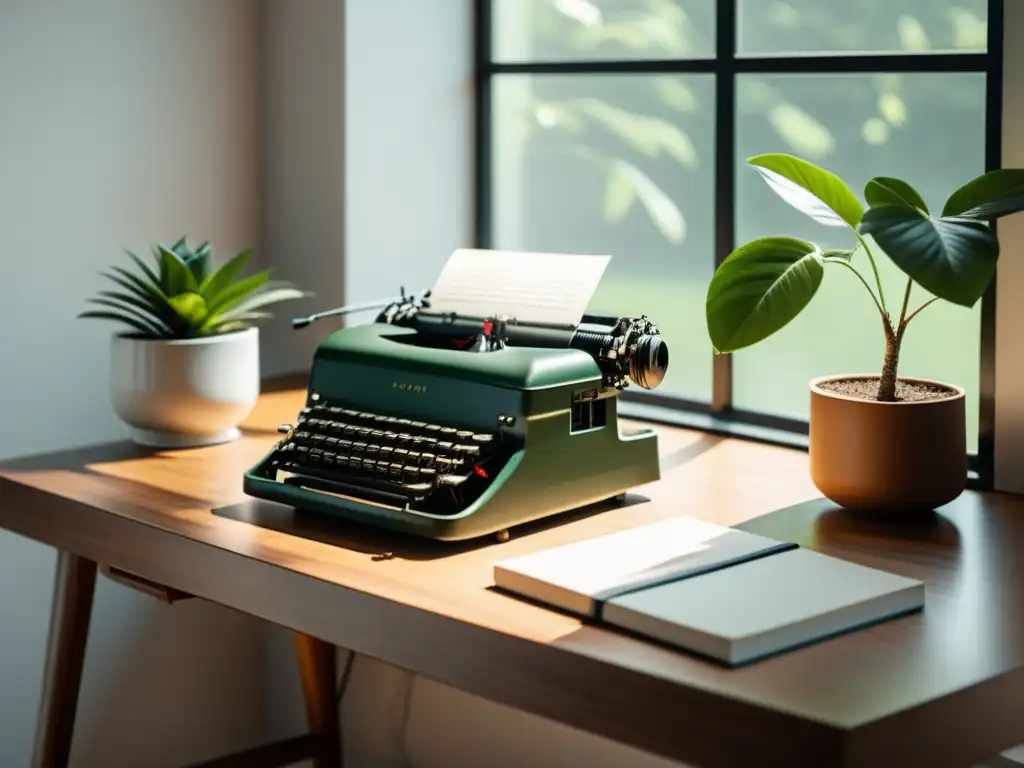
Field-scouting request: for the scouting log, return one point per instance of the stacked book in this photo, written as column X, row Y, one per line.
column 715, row 591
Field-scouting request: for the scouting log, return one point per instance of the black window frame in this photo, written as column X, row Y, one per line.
column 719, row 416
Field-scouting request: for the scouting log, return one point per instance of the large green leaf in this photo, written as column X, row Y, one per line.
column 984, row 189
column 993, row 209
column 885, row 190
column 760, row 288
column 212, row 287
column 191, row 307
column 811, row 190
column 952, row 258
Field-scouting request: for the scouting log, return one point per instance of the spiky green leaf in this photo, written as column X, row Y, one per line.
column 140, row 305
column 154, row 326
column 151, row 276
column 175, row 276
column 199, row 265
column 234, row 293
column 147, row 292
column 118, row 317
column 217, row 282
column 265, row 299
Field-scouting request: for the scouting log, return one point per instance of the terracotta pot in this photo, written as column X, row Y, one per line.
column 900, row 456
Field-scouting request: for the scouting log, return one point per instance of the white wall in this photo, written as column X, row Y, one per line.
column 303, row 170
column 124, row 122
column 408, row 142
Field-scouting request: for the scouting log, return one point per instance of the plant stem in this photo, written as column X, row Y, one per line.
column 867, row 287
column 878, row 280
column 906, row 300
column 893, row 342
column 890, row 365
column 914, row 313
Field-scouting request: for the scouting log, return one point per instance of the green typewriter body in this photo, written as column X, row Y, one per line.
column 451, row 444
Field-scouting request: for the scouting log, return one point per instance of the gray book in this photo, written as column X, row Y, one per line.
column 766, row 606
column 581, row 576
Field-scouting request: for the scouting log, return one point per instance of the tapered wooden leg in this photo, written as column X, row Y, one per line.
column 73, row 591
column 318, row 668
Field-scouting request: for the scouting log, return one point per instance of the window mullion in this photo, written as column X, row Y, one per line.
column 725, row 175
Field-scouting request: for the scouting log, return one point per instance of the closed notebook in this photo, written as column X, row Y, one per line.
column 765, row 606
column 578, row 577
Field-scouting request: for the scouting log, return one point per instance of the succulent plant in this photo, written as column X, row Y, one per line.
column 183, row 296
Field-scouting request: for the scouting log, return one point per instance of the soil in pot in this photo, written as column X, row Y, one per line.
column 906, row 391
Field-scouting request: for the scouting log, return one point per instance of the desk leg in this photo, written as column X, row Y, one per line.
column 318, row 668
column 73, row 590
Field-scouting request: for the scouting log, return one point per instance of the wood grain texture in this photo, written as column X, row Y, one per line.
column 318, row 670
column 74, row 587
column 945, row 685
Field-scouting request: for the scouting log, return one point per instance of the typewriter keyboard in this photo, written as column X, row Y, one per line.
column 383, row 458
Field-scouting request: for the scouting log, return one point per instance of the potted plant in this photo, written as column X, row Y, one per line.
column 877, row 440
column 185, row 371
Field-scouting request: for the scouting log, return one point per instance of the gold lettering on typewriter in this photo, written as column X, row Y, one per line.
column 419, row 389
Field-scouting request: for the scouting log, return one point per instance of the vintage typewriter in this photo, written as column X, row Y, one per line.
column 453, row 427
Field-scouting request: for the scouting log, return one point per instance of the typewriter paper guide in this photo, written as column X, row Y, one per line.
column 577, row 577
column 765, row 606
column 531, row 287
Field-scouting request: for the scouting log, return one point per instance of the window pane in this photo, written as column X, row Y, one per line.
column 927, row 129
column 767, row 27
column 573, row 30
column 620, row 165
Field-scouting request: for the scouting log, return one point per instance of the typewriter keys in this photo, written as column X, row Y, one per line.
column 354, row 452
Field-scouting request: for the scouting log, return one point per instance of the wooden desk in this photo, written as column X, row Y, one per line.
column 944, row 688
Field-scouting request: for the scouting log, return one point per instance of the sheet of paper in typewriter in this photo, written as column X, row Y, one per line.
column 531, row 287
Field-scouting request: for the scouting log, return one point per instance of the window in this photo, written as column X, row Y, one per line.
column 623, row 127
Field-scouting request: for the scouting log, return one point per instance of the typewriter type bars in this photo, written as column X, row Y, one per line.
column 380, row 458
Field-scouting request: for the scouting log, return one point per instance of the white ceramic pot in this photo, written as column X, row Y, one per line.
column 181, row 393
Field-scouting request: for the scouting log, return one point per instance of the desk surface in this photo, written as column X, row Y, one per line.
column 944, row 688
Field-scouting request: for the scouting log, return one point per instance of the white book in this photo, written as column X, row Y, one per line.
column 579, row 577
column 765, row 606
